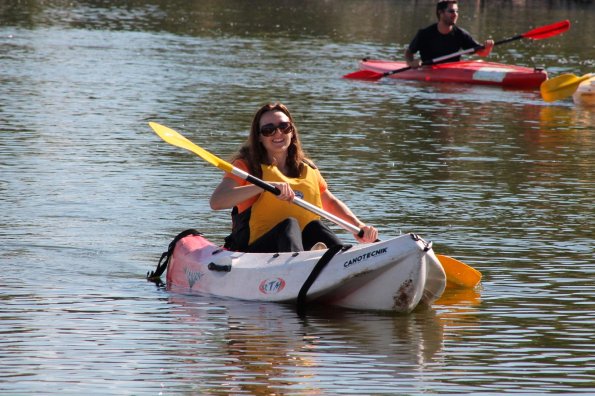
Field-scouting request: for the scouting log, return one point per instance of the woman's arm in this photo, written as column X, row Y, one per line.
column 229, row 193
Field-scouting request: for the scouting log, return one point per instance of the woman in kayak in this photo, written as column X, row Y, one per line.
column 443, row 38
column 263, row 222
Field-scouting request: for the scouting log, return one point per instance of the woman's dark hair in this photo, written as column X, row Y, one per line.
column 255, row 154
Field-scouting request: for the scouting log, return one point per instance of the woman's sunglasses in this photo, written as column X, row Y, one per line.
column 270, row 129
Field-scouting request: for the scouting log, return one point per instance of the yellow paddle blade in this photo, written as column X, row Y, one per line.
column 459, row 273
column 561, row 87
column 174, row 138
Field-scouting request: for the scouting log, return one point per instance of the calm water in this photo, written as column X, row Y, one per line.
column 90, row 197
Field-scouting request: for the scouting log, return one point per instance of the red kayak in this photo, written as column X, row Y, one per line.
column 465, row 72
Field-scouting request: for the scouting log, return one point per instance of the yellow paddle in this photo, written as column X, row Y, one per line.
column 174, row 138
column 457, row 272
column 562, row 86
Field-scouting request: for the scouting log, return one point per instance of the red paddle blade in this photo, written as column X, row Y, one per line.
column 364, row 75
column 547, row 31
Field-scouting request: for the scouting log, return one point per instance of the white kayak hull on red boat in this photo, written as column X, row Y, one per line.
column 396, row 275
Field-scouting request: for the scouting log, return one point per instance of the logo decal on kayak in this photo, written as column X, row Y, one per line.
column 491, row 74
column 364, row 257
column 192, row 276
column 271, row 286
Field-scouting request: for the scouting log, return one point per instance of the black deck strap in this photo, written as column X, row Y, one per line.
column 164, row 260
column 322, row 262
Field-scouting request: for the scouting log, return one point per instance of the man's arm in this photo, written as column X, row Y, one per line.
column 410, row 59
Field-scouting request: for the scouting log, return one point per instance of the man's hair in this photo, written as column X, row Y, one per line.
column 443, row 5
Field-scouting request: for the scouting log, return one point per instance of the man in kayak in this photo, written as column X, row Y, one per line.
column 263, row 222
column 443, row 38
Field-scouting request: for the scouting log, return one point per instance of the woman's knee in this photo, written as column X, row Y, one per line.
column 315, row 225
column 290, row 223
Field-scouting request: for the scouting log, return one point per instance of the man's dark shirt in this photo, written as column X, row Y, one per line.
column 432, row 44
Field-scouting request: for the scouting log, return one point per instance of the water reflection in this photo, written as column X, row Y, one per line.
column 567, row 119
column 263, row 348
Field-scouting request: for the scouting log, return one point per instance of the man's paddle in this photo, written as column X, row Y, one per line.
column 534, row 34
column 562, row 86
column 460, row 272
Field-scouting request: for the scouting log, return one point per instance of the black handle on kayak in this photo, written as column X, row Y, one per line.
column 219, row 267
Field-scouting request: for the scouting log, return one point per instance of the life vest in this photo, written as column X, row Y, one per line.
column 267, row 211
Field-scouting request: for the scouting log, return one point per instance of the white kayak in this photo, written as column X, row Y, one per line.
column 585, row 93
column 396, row 274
